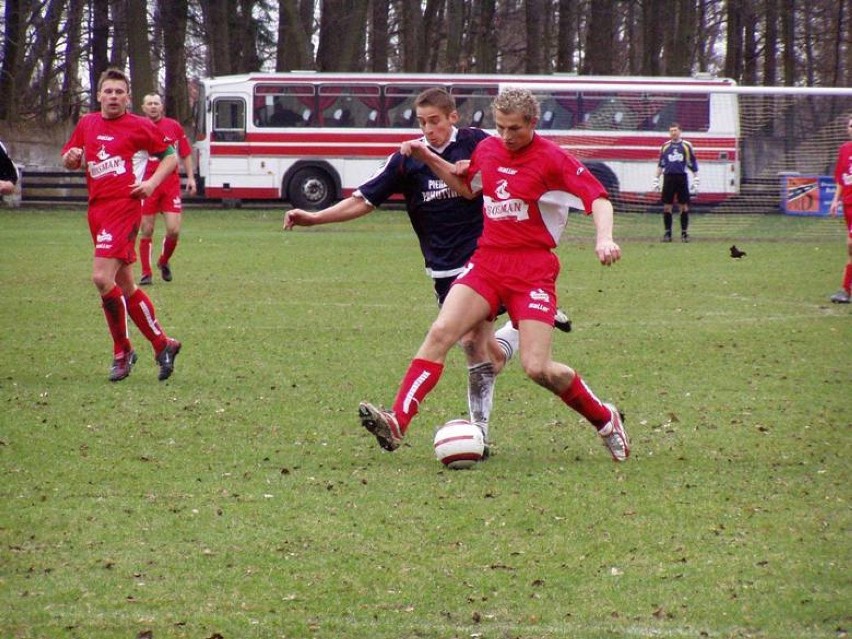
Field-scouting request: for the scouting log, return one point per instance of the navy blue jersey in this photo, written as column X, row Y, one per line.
column 676, row 157
column 447, row 225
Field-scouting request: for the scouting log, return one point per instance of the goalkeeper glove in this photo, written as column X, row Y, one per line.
column 693, row 188
column 655, row 185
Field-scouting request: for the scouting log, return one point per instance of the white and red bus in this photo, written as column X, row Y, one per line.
column 313, row 138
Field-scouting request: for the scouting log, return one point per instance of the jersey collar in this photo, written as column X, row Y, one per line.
column 452, row 139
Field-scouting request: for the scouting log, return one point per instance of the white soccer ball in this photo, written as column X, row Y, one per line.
column 459, row 444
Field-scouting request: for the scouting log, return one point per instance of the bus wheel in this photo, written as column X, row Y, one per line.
column 311, row 188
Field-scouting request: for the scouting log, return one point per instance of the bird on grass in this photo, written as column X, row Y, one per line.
column 737, row 253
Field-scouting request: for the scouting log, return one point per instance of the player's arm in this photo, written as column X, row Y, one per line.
column 190, row 174
column 607, row 250
column 349, row 209
column 450, row 173
column 167, row 166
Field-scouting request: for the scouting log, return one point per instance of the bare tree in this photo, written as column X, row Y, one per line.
column 294, row 49
column 341, row 47
column 174, row 15
column 139, row 48
column 600, row 39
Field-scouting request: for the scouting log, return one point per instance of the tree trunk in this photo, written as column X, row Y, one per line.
column 69, row 98
column 139, row 49
column 294, row 49
column 652, row 35
column 486, row 42
column 379, row 46
column 566, row 36
column 534, row 19
column 600, row 40
column 341, row 46
column 217, row 26
column 734, row 48
column 770, row 48
column 98, row 45
column 174, row 15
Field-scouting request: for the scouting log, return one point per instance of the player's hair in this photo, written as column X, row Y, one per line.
column 515, row 100
column 113, row 74
column 436, row 97
column 151, row 95
column 675, row 125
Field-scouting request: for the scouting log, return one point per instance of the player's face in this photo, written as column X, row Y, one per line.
column 436, row 125
column 514, row 129
column 674, row 133
column 114, row 98
column 153, row 107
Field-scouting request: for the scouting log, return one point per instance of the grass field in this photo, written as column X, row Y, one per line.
column 241, row 499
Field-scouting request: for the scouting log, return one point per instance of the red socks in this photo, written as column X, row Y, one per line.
column 145, row 255
column 115, row 312
column 581, row 398
column 419, row 380
column 169, row 246
column 142, row 313
column 847, row 278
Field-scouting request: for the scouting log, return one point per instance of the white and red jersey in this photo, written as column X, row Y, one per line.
column 843, row 174
column 171, row 129
column 528, row 194
column 115, row 152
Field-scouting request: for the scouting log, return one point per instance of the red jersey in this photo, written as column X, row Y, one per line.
column 528, row 194
column 843, row 174
column 174, row 131
column 115, row 152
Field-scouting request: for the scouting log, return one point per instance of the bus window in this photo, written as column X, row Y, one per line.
column 558, row 110
column 474, row 105
column 229, row 120
column 349, row 105
column 399, row 104
column 276, row 105
column 691, row 111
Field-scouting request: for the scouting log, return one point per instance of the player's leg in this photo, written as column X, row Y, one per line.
column 683, row 198
column 536, row 359
column 462, row 310
column 667, row 198
column 844, row 295
column 146, row 233
column 144, row 315
column 170, row 241
column 104, row 271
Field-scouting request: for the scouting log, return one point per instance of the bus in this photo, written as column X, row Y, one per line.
column 312, row 138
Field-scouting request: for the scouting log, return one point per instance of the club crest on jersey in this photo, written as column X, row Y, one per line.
column 108, row 165
column 502, row 190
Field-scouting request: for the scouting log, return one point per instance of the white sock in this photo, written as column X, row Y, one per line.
column 480, row 391
column 507, row 336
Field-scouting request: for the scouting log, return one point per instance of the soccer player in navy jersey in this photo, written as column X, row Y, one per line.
column 676, row 156
column 528, row 184
column 447, row 226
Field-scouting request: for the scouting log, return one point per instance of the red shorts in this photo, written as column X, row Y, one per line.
column 524, row 282
column 164, row 199
column 114, row 226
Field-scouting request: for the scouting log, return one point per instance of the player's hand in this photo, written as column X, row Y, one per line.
column 655, row 185
column 6, row 187
column 141, row 190
column 191, row 187
column 460, row 168
column 608, row 252
column 413, row 148
column 73, row 158
column 693, row 188
column 298, row 217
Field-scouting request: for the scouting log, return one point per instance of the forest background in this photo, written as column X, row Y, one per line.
column 54, row 50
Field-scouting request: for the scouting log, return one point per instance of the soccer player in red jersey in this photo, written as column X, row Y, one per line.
column 111, row 145
column 528, row 185
column 843, row 177
column 166, row 198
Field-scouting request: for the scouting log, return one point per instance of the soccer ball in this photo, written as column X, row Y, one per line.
column 459, row 444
